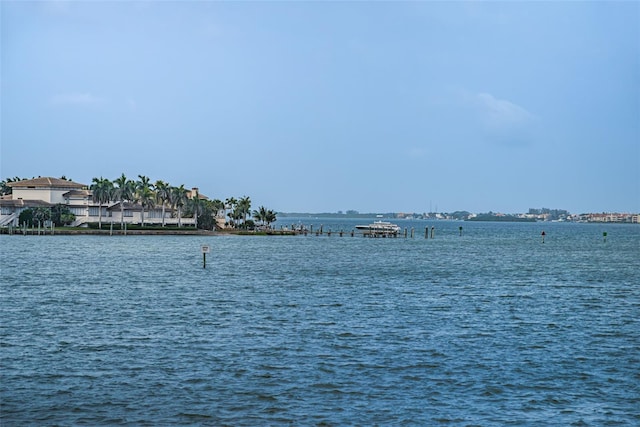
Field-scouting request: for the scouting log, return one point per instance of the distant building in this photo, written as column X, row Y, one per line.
column 48, row 192
column 195, row 192
column 610, row 217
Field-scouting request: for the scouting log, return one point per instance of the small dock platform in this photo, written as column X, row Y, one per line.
column 306, row 231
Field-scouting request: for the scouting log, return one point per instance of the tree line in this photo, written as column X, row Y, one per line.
column 58, row 215
column 237, row 212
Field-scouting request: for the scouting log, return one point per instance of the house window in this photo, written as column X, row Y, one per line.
column 128, row 213
column 94, row 211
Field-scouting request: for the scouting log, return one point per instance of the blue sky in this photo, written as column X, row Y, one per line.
column 327, row 106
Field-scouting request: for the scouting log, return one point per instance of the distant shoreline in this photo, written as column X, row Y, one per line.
column 66, row 232
column 93, row 232
column 495, row 218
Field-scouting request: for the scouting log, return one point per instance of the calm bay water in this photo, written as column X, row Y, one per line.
column 488, row 328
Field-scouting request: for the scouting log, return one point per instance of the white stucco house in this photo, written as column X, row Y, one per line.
column 47, row 192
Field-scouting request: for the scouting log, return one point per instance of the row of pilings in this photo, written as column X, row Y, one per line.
column 406, row 233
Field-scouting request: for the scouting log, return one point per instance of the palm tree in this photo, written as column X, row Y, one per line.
column 244, row 205
column 229, row 203
column 264, row 215
column 144, row 182
column 4, row 185
column 260, row 214
column 124, row 191
column 196, row 205
column 144, row 194
column 163, row 195
column 216, row 206
column 102, row 190
column 146, row 198
column 270, row 217
column 236, row 216
column 178, row 199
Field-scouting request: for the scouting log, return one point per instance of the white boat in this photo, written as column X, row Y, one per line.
column 379, row 227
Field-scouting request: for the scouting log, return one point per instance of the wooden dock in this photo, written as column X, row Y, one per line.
column 406, row 233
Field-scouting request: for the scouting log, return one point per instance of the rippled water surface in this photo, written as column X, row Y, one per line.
column 489, row 328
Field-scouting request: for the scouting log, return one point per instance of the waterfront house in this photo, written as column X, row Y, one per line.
column 47, row 192
column 34, row 193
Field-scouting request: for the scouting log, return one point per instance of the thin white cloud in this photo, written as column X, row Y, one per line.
column 500, row 114
column 76, row 99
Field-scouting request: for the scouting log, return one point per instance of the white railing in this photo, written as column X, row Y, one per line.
column 131, row 220
column 79, row 222
column 8, row 219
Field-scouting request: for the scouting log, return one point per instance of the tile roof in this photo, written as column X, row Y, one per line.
column 19, row 203
column 46, row 182
column 78, row 193
column 127, row 206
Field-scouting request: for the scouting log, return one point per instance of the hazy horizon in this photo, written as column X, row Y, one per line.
column 332, row 106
